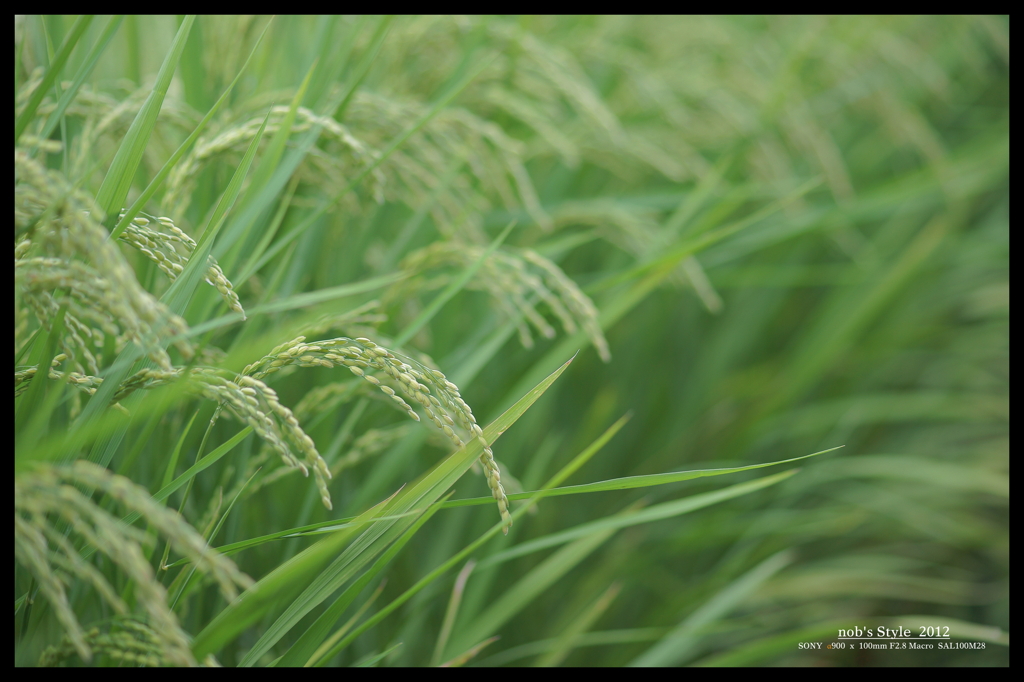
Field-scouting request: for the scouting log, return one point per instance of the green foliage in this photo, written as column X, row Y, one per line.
column 248, row 248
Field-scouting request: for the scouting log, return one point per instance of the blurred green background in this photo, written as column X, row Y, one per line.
column 795, row 231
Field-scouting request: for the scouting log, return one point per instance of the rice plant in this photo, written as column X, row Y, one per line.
column 407, row 340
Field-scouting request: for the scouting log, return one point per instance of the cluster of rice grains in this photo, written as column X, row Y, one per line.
column 135, row 644
column 55, row 230
column 255, row 404
column 515, row 278
column 161, row 248
column 438, row 397
column 128, row 642
column 327, row 167
column 421, row 174
column 46, row 498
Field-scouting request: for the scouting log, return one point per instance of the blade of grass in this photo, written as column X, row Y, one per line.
column 334, row 56
column 375, row 538
column 455, row 287
column 278, row 586
column 43, row 351
column 530, row 586
column 185, row 579
column 172, row 462
column 399, row 140
column 205, row 463
column 563, row 646
column 363, row 608
column 376, row 658
column 314, row 640
column 698, row 242
column 562, row 474
column 111, row 194
column 412, row 225
column 832, row 334
column 534, row 584
column 465, row 657
column 351, row 522
column 321, row 528
column 678, row 644
column 587, row 639
column 180, row 292
column 330, row 526
column 294, row 302
column 36, row 408
column 184, row 478
column 269, row 163
column 294, row 575
column 51, row 75
column 693, row 201
column 83, row 72
column 61, row 445
column 28, row 345
column 114, row 189
column 628, row 482
column 171, row 162
column 452, row 611
column 363, row 68
column 627, row 519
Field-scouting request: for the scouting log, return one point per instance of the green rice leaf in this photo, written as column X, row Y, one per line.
column 114, row 190
column 677, row 645
column 132, row 211
column 88, row 65
column 286, row 581
column 52, row 75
